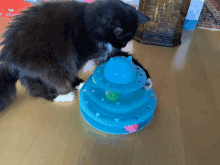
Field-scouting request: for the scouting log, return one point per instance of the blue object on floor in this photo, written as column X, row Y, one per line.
column 190, row 24
column 114, row 97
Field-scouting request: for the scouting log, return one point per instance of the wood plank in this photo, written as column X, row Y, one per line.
column 183, row 130
column 199, row 111
column 19, row 127
column 60, row 140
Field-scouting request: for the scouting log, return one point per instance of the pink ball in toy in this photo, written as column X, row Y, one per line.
column 131, row 128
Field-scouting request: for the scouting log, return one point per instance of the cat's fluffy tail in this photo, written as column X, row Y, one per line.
column 8, row 78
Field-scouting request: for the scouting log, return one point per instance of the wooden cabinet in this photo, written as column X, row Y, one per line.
column 166, row 24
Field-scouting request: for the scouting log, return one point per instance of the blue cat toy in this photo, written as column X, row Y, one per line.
column 114, row 99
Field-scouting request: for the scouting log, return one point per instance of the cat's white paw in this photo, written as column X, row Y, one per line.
column 79, row 86
column 148, row 84
column 65, row 98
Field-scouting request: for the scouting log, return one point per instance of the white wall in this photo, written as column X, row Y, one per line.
column 132, row 2
column 195, row 9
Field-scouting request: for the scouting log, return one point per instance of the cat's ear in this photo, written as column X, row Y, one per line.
column 142, row 18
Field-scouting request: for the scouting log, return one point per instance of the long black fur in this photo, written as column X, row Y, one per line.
column 47, row 45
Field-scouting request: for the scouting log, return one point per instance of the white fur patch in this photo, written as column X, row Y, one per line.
column 65, row 98
column 80, row 86
column 89, row 66
column 151, row 84
column 129, row 47
column 68, row 97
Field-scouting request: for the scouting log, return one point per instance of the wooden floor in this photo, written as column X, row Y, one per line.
column 184, row 130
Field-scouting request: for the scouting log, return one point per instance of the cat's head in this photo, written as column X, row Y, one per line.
column 113, row 21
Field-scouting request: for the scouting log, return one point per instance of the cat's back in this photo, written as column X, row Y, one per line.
column 50, row 11
column 41, row 28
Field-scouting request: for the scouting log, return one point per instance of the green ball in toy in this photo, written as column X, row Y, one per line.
column 112, row 96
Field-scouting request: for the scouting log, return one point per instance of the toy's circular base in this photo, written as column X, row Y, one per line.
column 112, row 100
column 110, row 129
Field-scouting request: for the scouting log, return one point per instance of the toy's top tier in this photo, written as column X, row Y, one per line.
column 120, row 71
column 119, row 75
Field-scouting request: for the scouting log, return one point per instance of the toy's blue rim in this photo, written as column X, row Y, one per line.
column 111, row 130
column 139, row 82
column 142, row 94
column 89, row 104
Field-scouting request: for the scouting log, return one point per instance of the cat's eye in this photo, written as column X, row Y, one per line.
column 118, row 30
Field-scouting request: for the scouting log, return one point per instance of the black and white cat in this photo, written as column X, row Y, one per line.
column 47, row 45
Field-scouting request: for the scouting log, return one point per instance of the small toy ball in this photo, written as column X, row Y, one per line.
column 131, row 128
column 112, row 96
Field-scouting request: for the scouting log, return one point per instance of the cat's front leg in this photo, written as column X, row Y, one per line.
column 65, row 98
column 78, row 84
column 71, row 95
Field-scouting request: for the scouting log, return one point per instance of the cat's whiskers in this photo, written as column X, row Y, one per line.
column 104, row 51
column 94, row 55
